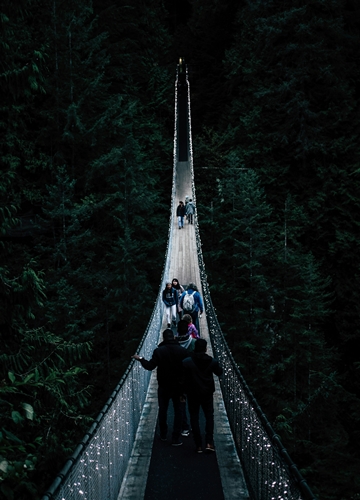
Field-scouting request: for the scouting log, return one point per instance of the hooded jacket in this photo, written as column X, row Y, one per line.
column 170, row 296
column 198, row 371
column 187, row 342
column 190, row 208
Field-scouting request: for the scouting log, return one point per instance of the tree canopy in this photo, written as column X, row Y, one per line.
column 86, row 141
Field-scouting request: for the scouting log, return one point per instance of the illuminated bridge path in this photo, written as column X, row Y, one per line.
column 179, row 472
column 121, row 456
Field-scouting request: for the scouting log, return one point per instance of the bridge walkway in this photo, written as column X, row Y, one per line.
column 179, row 473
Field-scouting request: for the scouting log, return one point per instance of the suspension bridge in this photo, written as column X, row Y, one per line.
column 121, row 456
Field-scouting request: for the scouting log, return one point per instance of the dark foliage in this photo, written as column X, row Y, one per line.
column 284, row 275
column 86, row 107
column 86, row 119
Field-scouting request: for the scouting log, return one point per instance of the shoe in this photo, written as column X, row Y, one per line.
column 163, row 438
column 209, row 448
column 185, row 433
column 176, row 442
column 199, row 449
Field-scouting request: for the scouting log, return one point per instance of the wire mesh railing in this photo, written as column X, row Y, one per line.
column 98, row 465
column 269, row 470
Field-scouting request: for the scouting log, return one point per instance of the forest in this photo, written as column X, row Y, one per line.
column 86, row 119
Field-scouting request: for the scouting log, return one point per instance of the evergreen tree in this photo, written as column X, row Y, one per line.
column 245, row 230
column 293, row 118
column 41, row 390
column 83, row 155
column 291, row 72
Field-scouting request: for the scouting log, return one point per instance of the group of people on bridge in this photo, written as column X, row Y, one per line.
column 184, row 369
column 185, row 210
column 181, row 302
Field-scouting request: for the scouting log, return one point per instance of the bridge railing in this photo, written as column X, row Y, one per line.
column 269, row 470
column 98, row 465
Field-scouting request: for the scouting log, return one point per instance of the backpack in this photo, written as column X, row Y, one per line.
column 189, row 302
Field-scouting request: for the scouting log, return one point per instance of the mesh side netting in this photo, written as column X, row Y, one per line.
column 269, row 471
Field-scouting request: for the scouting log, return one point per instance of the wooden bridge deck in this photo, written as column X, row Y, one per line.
column 200, row 476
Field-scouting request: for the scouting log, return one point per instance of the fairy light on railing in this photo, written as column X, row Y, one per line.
column 97, row 467
column 268, row 475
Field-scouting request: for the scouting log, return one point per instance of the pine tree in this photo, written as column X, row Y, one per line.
column 245, row 231
column 293, row 119
column 87, row 150
column 41, row 388
column 291, row 72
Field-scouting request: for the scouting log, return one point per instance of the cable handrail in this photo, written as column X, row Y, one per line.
column 269, row 470
column 97, row 466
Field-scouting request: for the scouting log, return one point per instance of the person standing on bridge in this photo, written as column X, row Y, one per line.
column 191, row 303
column 188, row 342
column 180, row 289
column 167, row 358
column 191, row 327
column 186, row 202
column 200, row 388
column 180, row 213
column 190, row 212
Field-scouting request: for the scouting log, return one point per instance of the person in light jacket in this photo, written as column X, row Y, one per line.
column 190, row 212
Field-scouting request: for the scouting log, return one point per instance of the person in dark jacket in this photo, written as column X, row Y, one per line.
column 170, row 299
column 185, row 340
column 200, row 388
column 180, row 213
column 167, row 358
